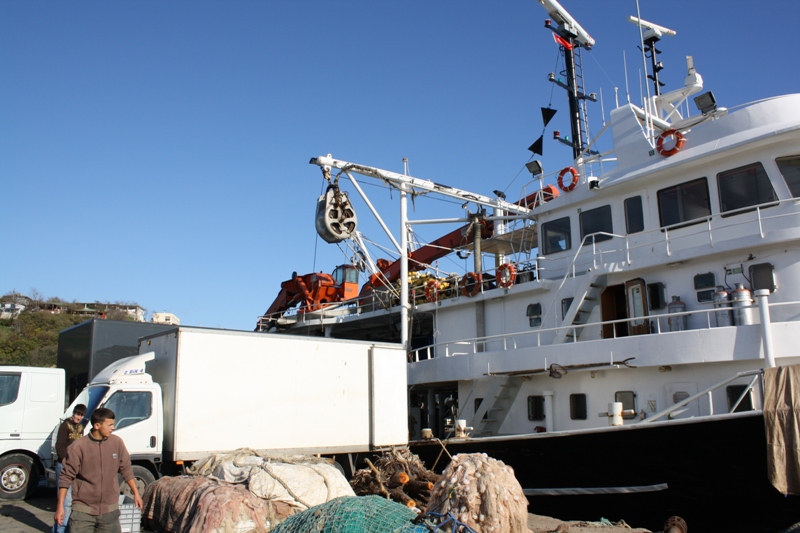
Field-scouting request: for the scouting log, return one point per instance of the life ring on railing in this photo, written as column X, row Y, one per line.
column 471, row 284
column 572, row 183
column 666, row 135
column 506, row 275
column 432, row 290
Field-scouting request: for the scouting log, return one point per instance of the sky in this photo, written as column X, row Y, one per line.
column 157, row 152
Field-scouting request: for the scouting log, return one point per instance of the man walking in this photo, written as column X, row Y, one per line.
column 69, row 431
column 91, row 468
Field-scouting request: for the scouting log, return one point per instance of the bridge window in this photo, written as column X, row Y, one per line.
column 595, row 221
column 634, row 214
column 790, row 168
column 556, row 236
column 685, row 202
column 744, row 187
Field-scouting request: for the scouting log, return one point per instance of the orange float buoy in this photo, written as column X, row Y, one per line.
column 666, row 135
column 506, row 274
column 572, row 183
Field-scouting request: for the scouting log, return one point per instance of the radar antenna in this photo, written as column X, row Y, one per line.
column 651, row 33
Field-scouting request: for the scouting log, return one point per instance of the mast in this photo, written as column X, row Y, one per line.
column 571, row 36
column 650, row 33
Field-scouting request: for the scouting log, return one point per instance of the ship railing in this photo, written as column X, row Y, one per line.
column 756, row 377
column 573, row 269
column 710, row 230
column 674, row 322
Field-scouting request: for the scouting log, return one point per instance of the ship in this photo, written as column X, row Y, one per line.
column 633, row 349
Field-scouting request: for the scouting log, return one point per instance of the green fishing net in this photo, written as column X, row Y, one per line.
column 354, row 514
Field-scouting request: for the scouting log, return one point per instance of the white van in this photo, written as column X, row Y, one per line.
column 31, row 404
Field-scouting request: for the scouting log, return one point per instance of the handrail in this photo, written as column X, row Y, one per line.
column 665, row 236
column 431, row 348
column 571, row 267
column 690, row 399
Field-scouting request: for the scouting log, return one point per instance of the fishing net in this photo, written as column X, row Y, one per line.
column 194, row 504
column 482, row 493
column 240, row 492
column 367, row 514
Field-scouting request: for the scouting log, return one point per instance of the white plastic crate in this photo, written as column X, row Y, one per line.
column 130, row 517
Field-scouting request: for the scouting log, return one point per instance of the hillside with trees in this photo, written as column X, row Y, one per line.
column 31, row 338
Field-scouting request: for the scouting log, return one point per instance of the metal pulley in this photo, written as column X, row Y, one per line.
column 336, row 218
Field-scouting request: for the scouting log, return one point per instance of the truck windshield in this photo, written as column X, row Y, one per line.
column 9, row 388
column 90, row 397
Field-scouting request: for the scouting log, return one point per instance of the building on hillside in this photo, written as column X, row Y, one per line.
column 10, row 310
column 93, row 309
column 165, row 318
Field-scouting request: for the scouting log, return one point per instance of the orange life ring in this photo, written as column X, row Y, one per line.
column 432, row 290
column 506, row 275
column 471, row 284
column 572, row 183
column 666, row 135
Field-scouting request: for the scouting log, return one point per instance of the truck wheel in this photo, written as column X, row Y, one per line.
column 18, row 477
column 143, row 478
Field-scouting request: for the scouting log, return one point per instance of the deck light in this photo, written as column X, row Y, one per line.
column 535, row 168
column 706, row 103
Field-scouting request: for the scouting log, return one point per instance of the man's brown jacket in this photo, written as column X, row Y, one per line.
column 91, row 468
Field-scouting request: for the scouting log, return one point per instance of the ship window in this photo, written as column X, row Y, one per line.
column 705, row 281
column 762, row 276
column 705, row 296
column 744, row 187
column 534, row 314
column 685, row 202
column 679, row 396
column 634, row 215
column 655, row 295
column 577, row 406
column 628, row 400
column 790, row 168
column 734, row 392
column 596, row 221
column 565, row 303
column 9, row 388
column 556, row 236
column 535, row 407
column 478, row 402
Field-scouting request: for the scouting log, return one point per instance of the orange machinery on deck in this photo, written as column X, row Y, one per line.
column 317, row 290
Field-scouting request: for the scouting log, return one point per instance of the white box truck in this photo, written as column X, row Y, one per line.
column 31, row 402
column 194, row 391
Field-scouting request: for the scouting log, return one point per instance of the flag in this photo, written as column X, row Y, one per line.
column 547, row 115
column 563, row 42
column 537, row 146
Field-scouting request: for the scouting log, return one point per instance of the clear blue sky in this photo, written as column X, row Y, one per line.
column 158, row 152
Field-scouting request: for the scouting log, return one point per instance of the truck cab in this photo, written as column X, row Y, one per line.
column 31, row 401
column 126, row 388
